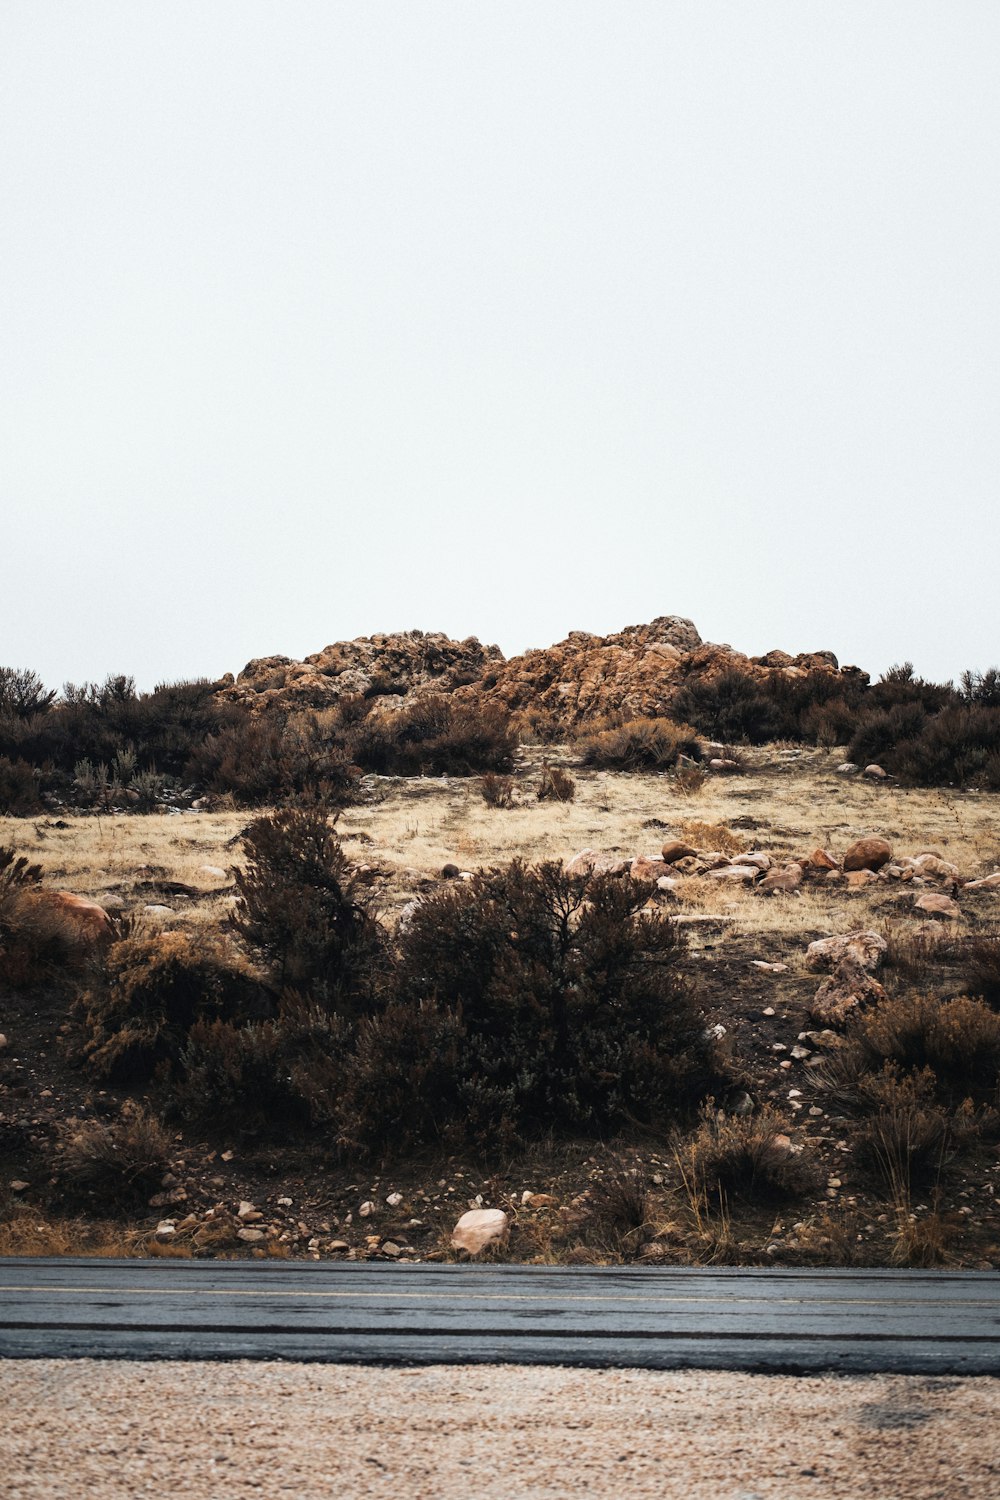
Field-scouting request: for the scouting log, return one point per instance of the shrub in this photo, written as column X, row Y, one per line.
column 402, row 1083
column 732, row 706
column 435, row 736
column 981, row 965
column 303, row 907
column 639, row 745
column 117, row 1165
column 747, row 1156
column 270, row 759
column 957, row 746
column 555, row 786
column 620, row 1206
column 958, row 1040
column 906, row 1137
column 572, row 1011
column 497, row 791
column 152, row 990
column 22, row 693
column 39, row 940
column 18, row 788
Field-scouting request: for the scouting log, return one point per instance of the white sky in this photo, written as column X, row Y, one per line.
column 318, row 319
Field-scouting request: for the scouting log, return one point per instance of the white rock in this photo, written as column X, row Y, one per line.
column 245, row 1210
column 251, row 1236
column 394, row 1200
column 868, row 948
column 155, row 909
column 214, row 872
column 846, row 768
column 478, row 1229
column 367, row 1209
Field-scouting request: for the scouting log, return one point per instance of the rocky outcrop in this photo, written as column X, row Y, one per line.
column 584, row 678
column 636, row 672
column 399, row 666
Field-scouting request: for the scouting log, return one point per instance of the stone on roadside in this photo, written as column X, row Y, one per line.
column 478, row 1229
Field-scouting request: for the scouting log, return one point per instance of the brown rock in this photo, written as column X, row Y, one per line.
column 867, row 854
column 848, row 987
column 858, row 878
column 676, row 849
column 648, row 867
column 89, row 920
column 819, row 859
column 788, row 878
column 937, row 905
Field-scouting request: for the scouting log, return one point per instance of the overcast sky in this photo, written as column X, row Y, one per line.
column 507, row 319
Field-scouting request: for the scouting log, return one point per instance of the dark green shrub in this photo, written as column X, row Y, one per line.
column 268, row 1074
column 403, row 1082
column 270, row 759
column 303, row 907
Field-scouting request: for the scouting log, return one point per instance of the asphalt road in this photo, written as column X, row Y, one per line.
column 908, row 1322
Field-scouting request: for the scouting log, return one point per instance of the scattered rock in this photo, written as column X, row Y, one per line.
column 987, row 883
column 675, row 849
column 18, row 1186
column 937, row 905
column 480, row 1228
column 848, row 987
column 788, row 878
column 875, row 773
column 867, row 854
column 819, row 859
column 591, row 862
column 648, row 867
column 867, row 948
column 847, row 768
column 251, row 1236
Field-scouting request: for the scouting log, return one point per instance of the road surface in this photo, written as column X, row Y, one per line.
column 911, row 1322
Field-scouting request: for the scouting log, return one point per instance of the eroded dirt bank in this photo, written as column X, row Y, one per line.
column 201, row 1430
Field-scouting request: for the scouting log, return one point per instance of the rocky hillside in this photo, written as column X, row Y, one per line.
column 583, row 678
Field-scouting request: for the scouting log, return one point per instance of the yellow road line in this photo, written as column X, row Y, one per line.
column 613, row 1298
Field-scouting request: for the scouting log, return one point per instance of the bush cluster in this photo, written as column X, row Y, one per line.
column 638, row 745
column 925, row 733
column 108, row 746
column 520, row 1002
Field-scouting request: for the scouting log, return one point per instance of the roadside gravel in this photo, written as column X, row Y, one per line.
column 113, row 1429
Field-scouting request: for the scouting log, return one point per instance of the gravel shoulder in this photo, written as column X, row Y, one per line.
column 110, row 1429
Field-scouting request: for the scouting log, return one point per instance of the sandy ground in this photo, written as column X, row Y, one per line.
column 79, row 1427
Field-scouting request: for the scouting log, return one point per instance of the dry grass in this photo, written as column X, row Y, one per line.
column 27, row 1231
column 787, row 802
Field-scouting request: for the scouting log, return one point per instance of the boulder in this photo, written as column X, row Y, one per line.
column 676, row 849
column 866, row 948
column 987, row 883
column 848, row 987
column 936, row 905
column 737, row 874
column 819, row 859
column 591, row 862
column 934, row 867
column 777, row 882
column 89, row 919
column 875, row 773
column 478, row 1229
column 648, row 867
column 867, row 854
